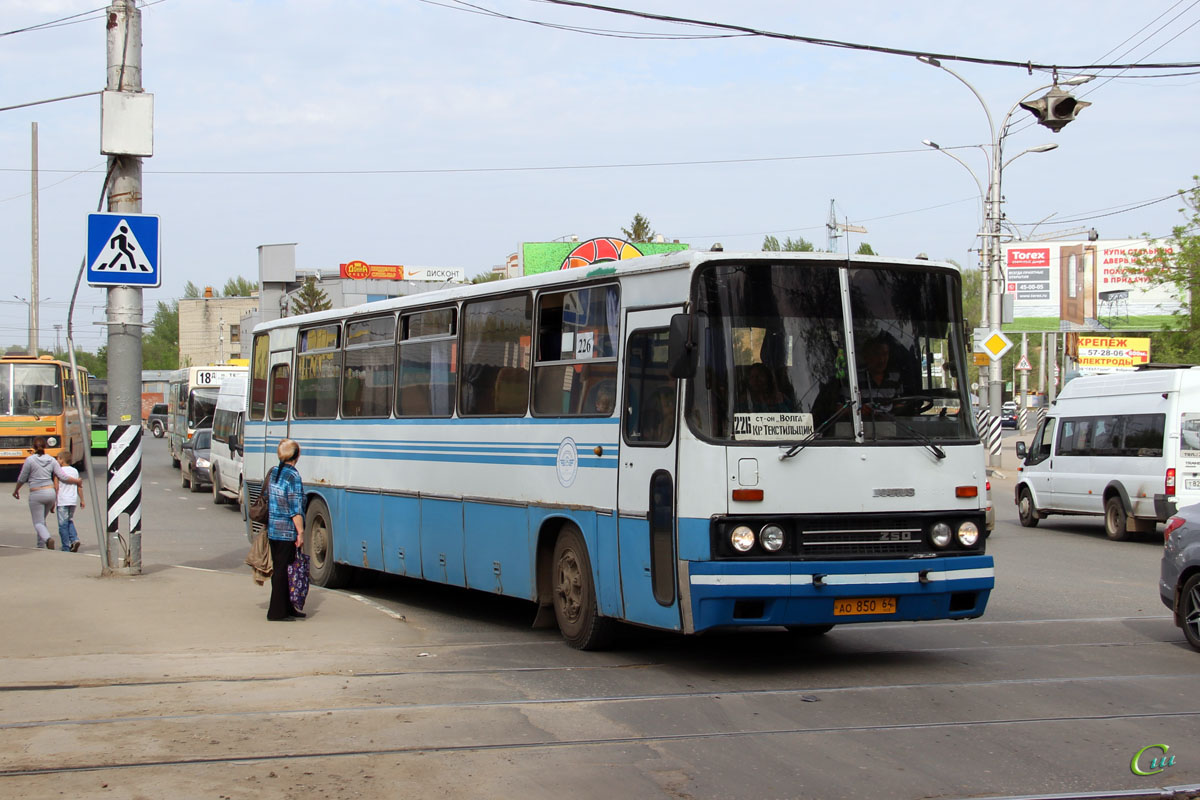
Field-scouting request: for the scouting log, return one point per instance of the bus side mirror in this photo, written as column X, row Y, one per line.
column 681, row 348
column 1021, row 451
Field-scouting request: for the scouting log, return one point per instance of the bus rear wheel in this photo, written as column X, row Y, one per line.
column 318, row 543
column 1115, row 519
column 575, row 608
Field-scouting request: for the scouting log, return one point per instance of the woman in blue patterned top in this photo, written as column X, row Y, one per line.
column 285, row 527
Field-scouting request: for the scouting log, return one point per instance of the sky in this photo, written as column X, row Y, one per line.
column 429, row 134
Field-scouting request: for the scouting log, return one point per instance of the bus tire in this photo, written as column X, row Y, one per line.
column 218, row 498
column 575, row 608
column 1026, row 511
column 318, row 543
column 1115, row 519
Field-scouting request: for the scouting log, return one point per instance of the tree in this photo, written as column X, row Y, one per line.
column 1176, row 261
column 160, row 348
column 310, row 298
column 798, row 245
column 191, row 291
column 865, row 249
column 486, row 277
column 639, row 230
column 239, row 287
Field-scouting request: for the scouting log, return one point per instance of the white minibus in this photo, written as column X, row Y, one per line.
column 1124, row 446
column 226, row 453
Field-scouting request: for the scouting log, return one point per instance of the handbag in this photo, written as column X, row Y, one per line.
column 259, row 558
column 260, row 509
column 297, row 573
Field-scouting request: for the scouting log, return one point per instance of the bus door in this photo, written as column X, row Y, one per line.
column 279, row 390
column 646, row 476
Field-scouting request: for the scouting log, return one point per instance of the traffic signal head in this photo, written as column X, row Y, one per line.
column 1055, row 109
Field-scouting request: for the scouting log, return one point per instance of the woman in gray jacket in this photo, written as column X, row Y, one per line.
column 39, row 471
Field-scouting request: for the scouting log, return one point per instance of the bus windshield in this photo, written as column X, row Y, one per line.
column 774, row 365
column 203, row 405
column 30, row 390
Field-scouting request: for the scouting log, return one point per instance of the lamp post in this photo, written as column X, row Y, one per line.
column 1054, row 111
column 31, row 319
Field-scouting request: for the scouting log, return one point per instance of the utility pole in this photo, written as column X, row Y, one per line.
column 33, row 281
column 124, row 317
column 57, row 339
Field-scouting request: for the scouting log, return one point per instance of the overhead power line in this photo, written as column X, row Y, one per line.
column 895, row 51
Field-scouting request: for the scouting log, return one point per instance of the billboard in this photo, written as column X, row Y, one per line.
column 360, row 270
column 1101, row 354
column 1085, row 286
column 549, row 256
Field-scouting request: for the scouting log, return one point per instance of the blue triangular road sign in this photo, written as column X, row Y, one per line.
column 123, row 250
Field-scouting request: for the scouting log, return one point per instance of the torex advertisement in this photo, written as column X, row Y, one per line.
column 1085, row 286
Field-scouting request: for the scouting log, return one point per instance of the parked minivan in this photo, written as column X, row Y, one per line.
column 1124, row 446
column 228, row 420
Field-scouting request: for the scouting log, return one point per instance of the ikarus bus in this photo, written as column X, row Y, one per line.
column 686, row 442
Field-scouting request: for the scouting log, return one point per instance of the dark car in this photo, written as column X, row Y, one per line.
column 196, row 463
column 1008, row 416
column 1179, row 585
column 156, row 422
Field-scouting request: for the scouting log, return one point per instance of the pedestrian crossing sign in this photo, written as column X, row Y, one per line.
column 123, row 250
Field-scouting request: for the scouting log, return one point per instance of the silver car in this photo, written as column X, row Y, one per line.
column 1179, row 586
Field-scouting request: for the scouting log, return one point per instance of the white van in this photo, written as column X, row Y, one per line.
column 1123, row 446
column 228, row 420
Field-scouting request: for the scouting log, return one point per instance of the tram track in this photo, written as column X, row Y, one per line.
column 806, row 694
column 547, row 744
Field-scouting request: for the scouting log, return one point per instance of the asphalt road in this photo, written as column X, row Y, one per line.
column 1074, row 668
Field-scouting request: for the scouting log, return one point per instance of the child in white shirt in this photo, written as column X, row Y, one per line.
column 68, row 498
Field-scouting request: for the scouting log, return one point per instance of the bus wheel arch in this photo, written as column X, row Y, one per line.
column 318, row 543
column 573, row 593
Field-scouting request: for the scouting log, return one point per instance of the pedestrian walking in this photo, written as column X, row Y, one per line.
column 39, row 471
column 68, row 498
column 285, row 527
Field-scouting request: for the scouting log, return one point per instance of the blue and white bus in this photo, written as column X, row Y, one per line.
column 685, row 442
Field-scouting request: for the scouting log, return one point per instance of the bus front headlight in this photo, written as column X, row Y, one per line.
column 771, row 538
column 52, row 441
column 940, row 535
column 968, row 534
column 741, row 538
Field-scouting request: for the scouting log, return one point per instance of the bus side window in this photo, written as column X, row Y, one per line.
column 280, row 383
column 649, row 407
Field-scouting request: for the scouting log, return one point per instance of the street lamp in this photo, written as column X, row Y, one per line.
column 1058, row 112
column 31, row 320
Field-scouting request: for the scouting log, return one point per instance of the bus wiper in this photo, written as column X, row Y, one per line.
column 803, row 443
column 923, row 439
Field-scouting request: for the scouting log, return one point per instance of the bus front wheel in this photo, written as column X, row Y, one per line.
column 318, row 543
column 575, row 608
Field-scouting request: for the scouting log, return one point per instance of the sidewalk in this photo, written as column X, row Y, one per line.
column 63, row 622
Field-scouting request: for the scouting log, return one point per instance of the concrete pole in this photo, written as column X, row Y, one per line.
column 996, row 385
column 1050, row 356
column 33, row 281
column 125, row 302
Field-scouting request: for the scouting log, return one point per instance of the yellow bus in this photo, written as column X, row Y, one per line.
column 37, row 398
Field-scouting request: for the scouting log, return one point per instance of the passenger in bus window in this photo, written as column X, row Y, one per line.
column 605, row 398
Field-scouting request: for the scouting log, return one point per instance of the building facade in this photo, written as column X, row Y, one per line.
column 210, row 328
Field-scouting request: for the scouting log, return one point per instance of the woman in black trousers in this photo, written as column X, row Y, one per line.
column 285, row 527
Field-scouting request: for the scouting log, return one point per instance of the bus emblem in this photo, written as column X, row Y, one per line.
column 567, row 462
column 907, row 492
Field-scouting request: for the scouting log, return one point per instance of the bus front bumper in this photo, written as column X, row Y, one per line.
column 727, row 593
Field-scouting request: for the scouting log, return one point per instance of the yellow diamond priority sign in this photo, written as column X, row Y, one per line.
column 997, row 344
